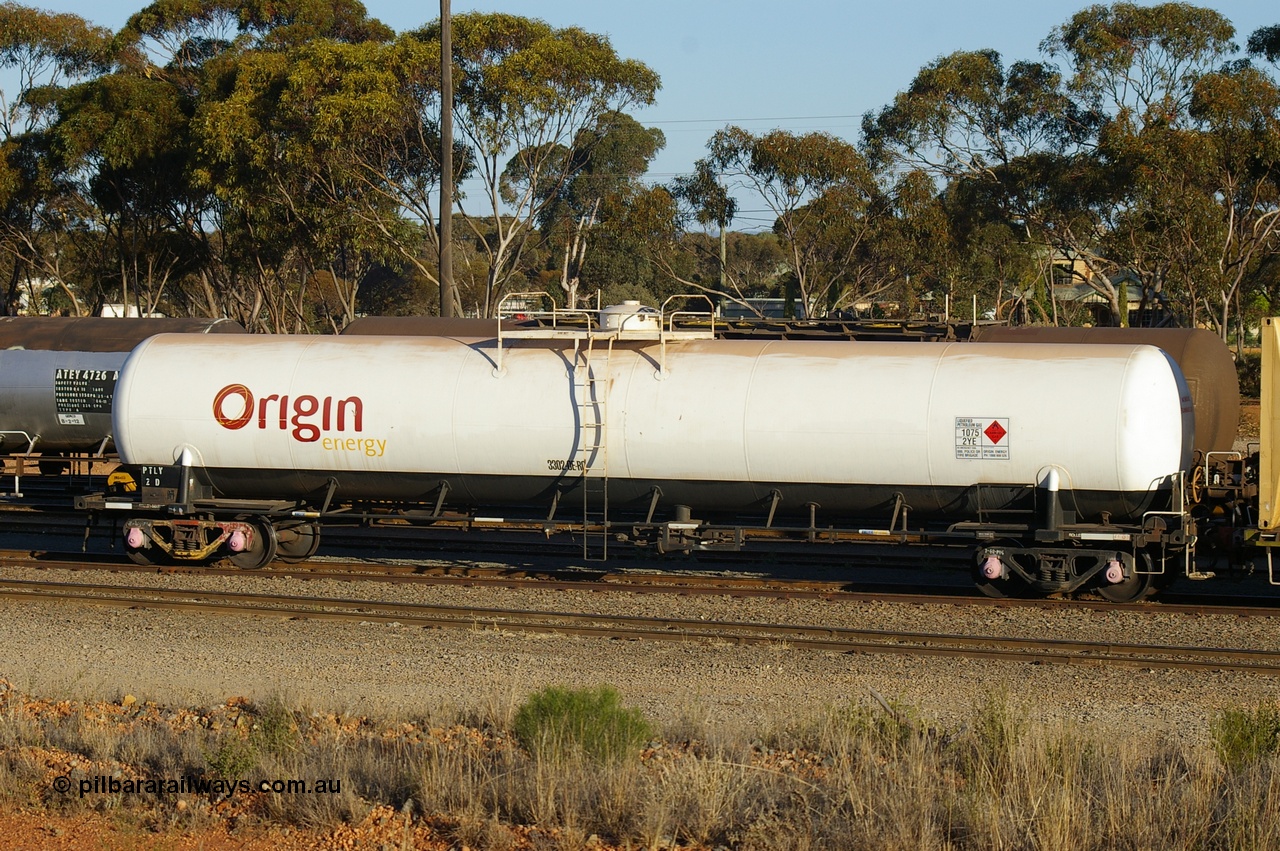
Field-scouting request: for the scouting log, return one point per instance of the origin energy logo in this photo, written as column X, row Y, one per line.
column 306, row 417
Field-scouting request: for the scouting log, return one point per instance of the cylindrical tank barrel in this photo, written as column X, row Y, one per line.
column 717, row 425
column 425, row 326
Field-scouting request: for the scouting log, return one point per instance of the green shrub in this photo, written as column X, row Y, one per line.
column 274, row 729
column 1241, row 736
column 557, row 721
column 233, row 758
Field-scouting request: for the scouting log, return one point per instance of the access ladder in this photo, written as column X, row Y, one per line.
column 591, row 376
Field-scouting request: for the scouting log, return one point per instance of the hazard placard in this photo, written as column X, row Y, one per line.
column 982, row 438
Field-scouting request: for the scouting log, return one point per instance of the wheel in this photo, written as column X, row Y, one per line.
column 1137, row 586
column 297, row 543
column 141, row 555
column 1195, row 487
column 994, row 586
column 1131, row 590
column 260, row 551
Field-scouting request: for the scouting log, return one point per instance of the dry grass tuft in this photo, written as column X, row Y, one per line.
column 871, row 774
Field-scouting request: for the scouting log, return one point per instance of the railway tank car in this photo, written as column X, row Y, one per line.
column 58, row 376
column 1060, row 463
column 98, row 333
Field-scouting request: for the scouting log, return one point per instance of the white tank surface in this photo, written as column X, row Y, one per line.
column 844, row 425
column 56, row 401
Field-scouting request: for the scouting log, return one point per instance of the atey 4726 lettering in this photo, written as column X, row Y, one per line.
column 306, row 417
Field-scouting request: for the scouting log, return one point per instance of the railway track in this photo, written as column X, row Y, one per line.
column 357, row 553
column 734, row 633
column 648, row 582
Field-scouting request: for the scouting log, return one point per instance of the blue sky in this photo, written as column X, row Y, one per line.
column 802, row 65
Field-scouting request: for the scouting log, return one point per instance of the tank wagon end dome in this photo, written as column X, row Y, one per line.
column 1205, row 361
column 58, row 376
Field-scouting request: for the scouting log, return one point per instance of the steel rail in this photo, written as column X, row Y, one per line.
column 685, row 584
column 814, row 638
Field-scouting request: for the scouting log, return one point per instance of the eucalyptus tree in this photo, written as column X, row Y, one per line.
column 1138, row 69
column 966, row 115
column 1237, row 162
column 383, row 108
column 819, row 188
column 619, row 264
column 1197, row 137
column 40, row 210
column 524, row 92
column 43, row 50
column 1001, row 144
column 692, row 259
column 1139, row 65
column 985, row 256
column 359, row 108
column 261, row 215
column 300, row 146
column 1265, row 43
column 182, row 49
column 756, row 261
column 605, row 164
column 124, row 138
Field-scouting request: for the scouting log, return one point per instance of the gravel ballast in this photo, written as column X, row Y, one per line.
column 365, row 668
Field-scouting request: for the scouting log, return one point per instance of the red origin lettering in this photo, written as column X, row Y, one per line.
column 295, row 417
column 246, row 398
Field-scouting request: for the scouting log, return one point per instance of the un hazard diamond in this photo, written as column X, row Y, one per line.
column 995, row 432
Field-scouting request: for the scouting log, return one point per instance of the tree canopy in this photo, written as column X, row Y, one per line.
column 279, row 163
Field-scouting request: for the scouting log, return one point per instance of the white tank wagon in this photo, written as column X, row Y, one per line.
column 723, row 426
column 1206, row 362
column 1064, row 446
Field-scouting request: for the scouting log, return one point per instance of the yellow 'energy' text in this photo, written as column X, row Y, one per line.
column 373, row 447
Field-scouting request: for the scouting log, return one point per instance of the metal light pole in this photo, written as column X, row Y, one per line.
column 448, row 293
